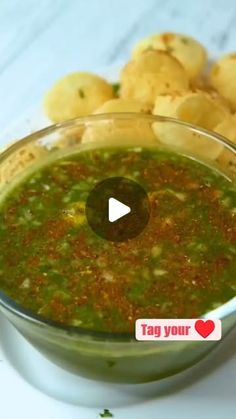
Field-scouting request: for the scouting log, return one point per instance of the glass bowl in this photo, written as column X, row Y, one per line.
column 107, row 356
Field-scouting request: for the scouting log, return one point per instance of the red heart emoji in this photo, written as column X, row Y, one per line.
column 204, row 327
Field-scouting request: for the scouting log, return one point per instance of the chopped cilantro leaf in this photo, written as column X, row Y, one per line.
column 106, row 414
column 149, row 48
column 111, row 364
column 184, row 40
column 169, row 49
column 116, row 88
column 81, row 93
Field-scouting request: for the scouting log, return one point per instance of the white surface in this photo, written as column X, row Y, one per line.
column 206, row 391
column 117, row 210
column 40, row 41
column 33, row 118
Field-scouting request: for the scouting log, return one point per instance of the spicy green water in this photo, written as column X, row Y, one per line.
column 182, row 265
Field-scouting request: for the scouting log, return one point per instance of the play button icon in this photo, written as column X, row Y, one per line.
column 117, row 209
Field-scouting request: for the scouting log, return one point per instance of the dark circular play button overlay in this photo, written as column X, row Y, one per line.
column 117, row 209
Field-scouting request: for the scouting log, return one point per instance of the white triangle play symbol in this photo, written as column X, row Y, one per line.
column 117, row 209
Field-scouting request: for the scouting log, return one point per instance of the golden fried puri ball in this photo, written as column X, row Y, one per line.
column 150, row 74
column 227, row 128
column 122, row 105
column 120, row 131
column 190, row 53
column 197, row 108
column 73, row 135
column 223, row 78
column 75, row 95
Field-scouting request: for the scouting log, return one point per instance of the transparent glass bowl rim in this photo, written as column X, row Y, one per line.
column 10, row 305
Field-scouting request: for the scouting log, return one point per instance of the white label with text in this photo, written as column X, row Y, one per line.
column 178, row 329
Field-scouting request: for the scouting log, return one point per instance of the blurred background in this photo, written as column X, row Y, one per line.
column 40, row 40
